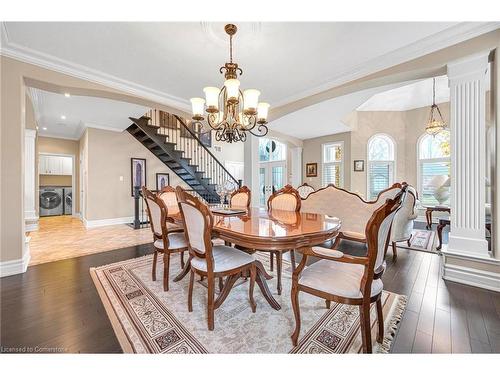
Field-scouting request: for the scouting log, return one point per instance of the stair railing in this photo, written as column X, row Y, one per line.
column 186, row 140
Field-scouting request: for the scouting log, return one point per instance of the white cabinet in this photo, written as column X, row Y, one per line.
column 55, row 165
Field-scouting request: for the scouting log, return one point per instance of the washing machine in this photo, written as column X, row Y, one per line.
column 68, row 201
column 51, row 201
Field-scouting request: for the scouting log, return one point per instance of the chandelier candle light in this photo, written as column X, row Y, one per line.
column 434, row 125
column 230, row 112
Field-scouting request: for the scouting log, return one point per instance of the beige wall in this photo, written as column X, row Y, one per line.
column 49, row 145
column 312, row 153
column 109, row 155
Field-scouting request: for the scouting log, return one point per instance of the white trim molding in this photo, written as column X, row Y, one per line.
column 104, row 222
column 464, row 269
column 16, row 266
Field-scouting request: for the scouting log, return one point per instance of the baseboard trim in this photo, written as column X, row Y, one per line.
column 104, row 222
column 13, row 267
column 31, row 227
column 473, row 277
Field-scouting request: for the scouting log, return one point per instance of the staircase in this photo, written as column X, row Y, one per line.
column 178, row 146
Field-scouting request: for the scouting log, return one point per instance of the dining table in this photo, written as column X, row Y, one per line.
column 257, row 228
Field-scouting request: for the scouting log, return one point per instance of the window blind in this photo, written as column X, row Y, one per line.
column 379, row 177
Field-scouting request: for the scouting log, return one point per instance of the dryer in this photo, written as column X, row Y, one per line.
column 68, row 201
column 51, row 201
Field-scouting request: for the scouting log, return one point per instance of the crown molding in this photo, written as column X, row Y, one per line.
column 432, row 43
column 31, row 56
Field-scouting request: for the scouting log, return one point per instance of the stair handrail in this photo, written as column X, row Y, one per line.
column 238, row 182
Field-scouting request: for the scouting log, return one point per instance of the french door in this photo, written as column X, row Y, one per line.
column 272, row 177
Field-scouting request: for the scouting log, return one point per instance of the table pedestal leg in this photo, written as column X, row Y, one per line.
column 262, row 283
column 185, row 270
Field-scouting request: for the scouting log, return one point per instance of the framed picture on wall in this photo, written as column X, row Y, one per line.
column 138, row 173
column 312, row 170
column 162, row 180
column 359, row 165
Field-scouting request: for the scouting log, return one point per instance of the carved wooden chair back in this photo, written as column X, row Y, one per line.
column 304, row 190
column 167, row 194
column 198, row 221
column 241, row 197
column 157, row 213
column 286, row 199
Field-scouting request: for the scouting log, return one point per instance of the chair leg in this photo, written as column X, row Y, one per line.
column 155, row 259
column 292, row 259
column 211, row 302
column 296, row 313
column 364, row 318
column 271, row 261
column 328, row 304
column 166, row 267
column 182, row 259
column 279, row 266
column 394, row 251
column 380, row 320
column 221, row 283
column 190, row 292
column 253, row 275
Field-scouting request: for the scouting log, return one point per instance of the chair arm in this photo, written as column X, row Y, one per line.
column 331, row 254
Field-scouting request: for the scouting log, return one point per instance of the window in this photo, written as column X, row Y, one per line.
column 333, row 164
column 271, row 150
column 381, row 158
column 434, row 169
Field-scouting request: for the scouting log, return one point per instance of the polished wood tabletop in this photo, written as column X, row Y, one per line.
column 275, row 229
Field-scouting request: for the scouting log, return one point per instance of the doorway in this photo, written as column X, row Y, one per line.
column 272, row 168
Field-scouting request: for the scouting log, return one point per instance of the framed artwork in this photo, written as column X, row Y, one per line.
column 359, row 165
column 162, row 180
column 312, row 170
column 138, row 173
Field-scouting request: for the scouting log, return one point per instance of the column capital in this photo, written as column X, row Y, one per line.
column 31, row 133
column 468, row 68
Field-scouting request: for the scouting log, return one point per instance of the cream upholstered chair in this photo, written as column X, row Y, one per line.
column 212, row 261
column 403, row 221
column 285, row 199
column 349, row 279
column 304, row 190
column 165, row 242
column 168, row 196
column 241, row 197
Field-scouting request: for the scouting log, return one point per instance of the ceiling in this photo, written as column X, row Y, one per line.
column 80, row 112
column 324, row 118
column 172, row 61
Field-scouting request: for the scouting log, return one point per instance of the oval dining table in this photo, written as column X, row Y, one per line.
column 277, row 230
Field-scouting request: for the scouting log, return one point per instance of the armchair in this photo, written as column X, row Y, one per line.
column 347, row 279
column 403, row 220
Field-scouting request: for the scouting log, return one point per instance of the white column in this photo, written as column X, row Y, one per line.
column 467, row 79
column 30, row 217
column 251, row 171
column 296, row 165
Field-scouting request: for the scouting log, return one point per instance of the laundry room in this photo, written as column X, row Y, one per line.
column 57, row 180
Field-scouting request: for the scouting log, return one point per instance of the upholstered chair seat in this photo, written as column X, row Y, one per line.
column 225, row 259
column 175, row 240
column 340, row 279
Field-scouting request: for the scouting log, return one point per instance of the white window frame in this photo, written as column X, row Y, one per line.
column 340, row 163
column 420, row 163
column 392, row 163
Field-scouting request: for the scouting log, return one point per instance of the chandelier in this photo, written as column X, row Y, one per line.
column 230, row 112
column 434, row 125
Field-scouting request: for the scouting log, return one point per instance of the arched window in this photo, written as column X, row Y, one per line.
column 434, row 169
column 381, row 157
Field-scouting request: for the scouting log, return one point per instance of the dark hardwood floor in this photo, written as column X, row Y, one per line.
column 55, row 307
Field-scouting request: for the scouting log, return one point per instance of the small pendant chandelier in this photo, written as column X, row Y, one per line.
column 435, row 125
column 230, row 112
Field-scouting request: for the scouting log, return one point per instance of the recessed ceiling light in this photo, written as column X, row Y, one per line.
column 63, row 117
column 67, row 94
column 37, row 128
column 44, row 128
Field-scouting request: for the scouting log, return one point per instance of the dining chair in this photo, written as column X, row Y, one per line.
column 241, row 197
column 346, row 279
column 285, row 199
column 168, row 196
column 212, row 261
column 304, row 190
column 164, row 241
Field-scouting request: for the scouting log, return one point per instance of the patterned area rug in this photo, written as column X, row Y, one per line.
column 421, row 240
column 148, row 320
